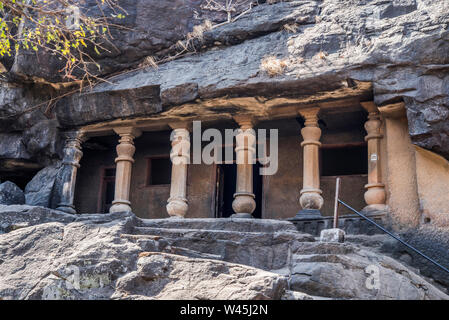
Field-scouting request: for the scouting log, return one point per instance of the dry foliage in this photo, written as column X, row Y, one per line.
column 198, row 31
column 321, row 55
column 273, row 66
column 230, row 7
column 290, row 27
column 63, row 28
column 148, row 62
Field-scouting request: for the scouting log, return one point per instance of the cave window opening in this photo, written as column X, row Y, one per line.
column 341, row 160
column 159, row 171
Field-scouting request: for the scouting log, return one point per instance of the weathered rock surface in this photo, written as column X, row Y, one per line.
column 28, row 139
column 12, row 147
column 39, row 191
column 11, row 194
column 14, row 217
column 344, row 271
column 43, row 142
column 169, row 276
column 18, row 106
column 431, row 240
column 401, row 47
column 46, row 254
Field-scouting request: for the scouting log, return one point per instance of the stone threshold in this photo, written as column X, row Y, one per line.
column 352, row 224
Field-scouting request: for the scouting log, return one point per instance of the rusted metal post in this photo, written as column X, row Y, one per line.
column 337, row 192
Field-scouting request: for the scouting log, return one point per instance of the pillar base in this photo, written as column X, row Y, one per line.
column 242, row 216
column 307, row 214
column 177, row 207
column 66, row 209
column 121, row 206
column 176, row 217
column 374, row 209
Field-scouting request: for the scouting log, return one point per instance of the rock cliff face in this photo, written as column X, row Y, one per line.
column 46, row 254
column 395, row 50
column 400, row 46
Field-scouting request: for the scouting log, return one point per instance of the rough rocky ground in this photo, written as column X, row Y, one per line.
column 46, row 254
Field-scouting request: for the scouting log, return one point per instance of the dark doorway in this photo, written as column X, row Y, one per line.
column 226, row 179
column 159, row 171
column 344, row 160
column 107, row 189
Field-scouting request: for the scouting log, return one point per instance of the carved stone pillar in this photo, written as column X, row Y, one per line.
column 177, row 204
column 375, row 194
column 310, row 196
column 66, row 177
column 244, row 202
column 124, row 161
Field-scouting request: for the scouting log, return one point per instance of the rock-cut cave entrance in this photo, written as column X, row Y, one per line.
column 225, row 189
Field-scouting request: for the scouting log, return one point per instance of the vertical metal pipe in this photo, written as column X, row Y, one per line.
column 337, row 193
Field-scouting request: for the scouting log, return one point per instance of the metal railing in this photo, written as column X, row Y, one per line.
column 338, row 201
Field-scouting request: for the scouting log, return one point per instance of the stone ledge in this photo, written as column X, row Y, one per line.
column 351, row 224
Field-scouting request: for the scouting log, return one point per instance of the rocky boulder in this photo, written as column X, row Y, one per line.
column 174, row 277
column 345, row 271
column 12, row 147
column 46, row 254
column 43, row 142
column 39, row 191
column 85, row 257
column 11, row 194
column 14, row 217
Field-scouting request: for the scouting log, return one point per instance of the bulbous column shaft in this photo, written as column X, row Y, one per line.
column 244, row 202
column 66, row 177
column 310, row 196
column 125, row 152
column 375, row 194
column 177, row 204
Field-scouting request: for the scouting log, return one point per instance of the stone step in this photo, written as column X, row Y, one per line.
column 264, row 250
column 228, row 235
column 228, row 224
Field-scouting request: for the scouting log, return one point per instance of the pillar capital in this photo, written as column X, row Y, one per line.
column 373, row 127
column 245, row 121
column 180, row 142
column 310, row 116
column 187, row 125
column 132, row 132
column 370, row 106
column 72, row 147
column 394, row 111
column 80, row 135
column 311, row 132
